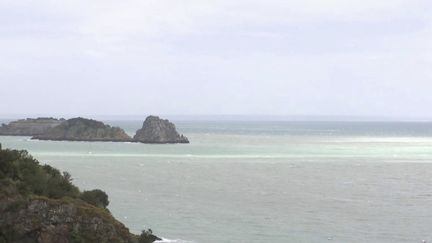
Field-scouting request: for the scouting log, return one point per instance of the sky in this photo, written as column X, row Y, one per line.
column 199, row 57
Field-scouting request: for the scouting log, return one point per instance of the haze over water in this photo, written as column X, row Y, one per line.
column 261, row 181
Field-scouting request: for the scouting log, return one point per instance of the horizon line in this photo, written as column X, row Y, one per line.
column 238, row 117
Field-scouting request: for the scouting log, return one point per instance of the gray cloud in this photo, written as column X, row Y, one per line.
column 364, row 58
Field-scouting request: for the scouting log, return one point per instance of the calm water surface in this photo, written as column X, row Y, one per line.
column 262, row 181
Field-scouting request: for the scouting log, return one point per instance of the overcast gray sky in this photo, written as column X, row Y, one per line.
column 279, row 57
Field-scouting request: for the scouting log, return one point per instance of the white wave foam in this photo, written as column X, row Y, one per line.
column 173, row 241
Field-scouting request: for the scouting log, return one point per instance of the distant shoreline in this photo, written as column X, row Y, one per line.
column 234, row 117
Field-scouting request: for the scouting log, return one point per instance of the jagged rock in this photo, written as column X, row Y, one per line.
column 29, row 126
column 48, row 220
column 81, row 129
column 156, row 130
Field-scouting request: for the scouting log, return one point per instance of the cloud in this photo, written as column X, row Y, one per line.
column 285, row 57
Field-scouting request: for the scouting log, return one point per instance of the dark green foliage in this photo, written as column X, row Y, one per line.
column 8, row 234
column 17, row 204
column 30, row 178
column 75, row 237
column 95, row 197
column 147, row 237
column 34, row 179
column 7, row 188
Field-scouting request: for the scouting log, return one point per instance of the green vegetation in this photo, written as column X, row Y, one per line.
column 146, row 236
column 95, row 197
column 30, row 178
column 46, row 198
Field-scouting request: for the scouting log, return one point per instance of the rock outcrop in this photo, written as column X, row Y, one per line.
column 42, row 206
column 60, row 221
column 156, row 130
column 29, row 126
column 81, row 129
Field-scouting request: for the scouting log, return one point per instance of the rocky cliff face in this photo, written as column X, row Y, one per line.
column 81, row 129
column 29, row 127
column 156, row 130
column 59, row 221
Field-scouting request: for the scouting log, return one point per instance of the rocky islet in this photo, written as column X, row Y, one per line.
column 154, row 130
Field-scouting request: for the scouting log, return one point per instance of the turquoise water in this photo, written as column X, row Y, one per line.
column 262, row 181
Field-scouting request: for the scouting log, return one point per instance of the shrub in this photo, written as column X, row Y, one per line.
column 147, row 237
column 95, row 197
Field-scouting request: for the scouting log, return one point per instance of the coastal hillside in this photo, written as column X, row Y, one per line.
column 38, row 204
column 156, row 130
column 82, row 129
column 29, row 126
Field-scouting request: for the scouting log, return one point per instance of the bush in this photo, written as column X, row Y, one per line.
column 95, row 197
column 147, row 237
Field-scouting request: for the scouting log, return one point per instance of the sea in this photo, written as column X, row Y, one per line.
column 261, row 181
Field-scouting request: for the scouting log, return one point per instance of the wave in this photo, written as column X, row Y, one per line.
column 164, row 240
column 198, row 156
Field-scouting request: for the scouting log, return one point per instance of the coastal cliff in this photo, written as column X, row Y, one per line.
column 156, row 130
column 81, row 129
column 29, row 126
column 38, row 204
